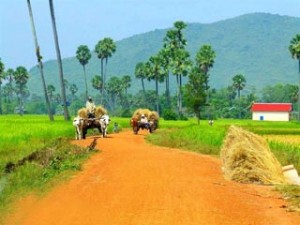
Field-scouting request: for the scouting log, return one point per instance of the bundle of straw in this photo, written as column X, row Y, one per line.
column 246, row 158
column 82, row 113
column 100, row 111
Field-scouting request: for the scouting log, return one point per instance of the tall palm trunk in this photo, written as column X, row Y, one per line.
column 168, row 90
column 299, row 94
column 157, row 96
column 239, row 96
column 143, row 85
column 104, row 80
column 102, row 76
column 180, row 95
column 39, row 59
column 61, row 76
column 86, row 87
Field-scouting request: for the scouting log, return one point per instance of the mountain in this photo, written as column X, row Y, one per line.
column 255, row 45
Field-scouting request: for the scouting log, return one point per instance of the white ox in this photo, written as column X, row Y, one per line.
column 104, row 122
column 83, row 124
column 78, row 123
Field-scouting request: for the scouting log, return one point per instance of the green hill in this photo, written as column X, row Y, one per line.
column 255, row 45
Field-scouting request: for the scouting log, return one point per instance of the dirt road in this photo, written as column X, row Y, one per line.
column 131, row 182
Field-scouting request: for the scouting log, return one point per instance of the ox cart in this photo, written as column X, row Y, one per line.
column 137, row 124
column 83, row 124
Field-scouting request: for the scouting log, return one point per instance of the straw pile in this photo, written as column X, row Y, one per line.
column 151, row 115
column 100, row 111
column 246, row 158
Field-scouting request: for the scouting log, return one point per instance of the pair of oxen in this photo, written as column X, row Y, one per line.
column 83, row 124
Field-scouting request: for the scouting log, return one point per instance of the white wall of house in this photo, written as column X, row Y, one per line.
column 271, row 116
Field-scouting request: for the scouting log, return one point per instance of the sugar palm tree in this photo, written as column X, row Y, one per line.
column 104, row 49
column 175, row 43
column 83, row 55
column 10, row 89
column 126, row 82
column 61, row 75
column 239, row 82
column 139, row 73
column 97, row 83
column 21, row 77
column 205, row 59
column 156, row 73
column 40, row 63
column 295, row 52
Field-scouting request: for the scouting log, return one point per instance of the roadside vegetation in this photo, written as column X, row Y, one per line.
column 34, row 153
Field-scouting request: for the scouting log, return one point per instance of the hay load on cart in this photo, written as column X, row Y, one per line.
column 100, row 111
column 144, row 119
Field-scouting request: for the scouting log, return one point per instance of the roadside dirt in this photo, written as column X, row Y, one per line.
column 131, row 182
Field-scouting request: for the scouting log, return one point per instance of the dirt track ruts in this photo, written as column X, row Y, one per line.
column 131, row 182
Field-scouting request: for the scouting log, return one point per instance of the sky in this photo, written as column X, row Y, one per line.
column 86, row 22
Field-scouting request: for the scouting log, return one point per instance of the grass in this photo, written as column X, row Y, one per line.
column 35, row 152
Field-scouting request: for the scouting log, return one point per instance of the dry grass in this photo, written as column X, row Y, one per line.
column 247, row 158
column 151, row 115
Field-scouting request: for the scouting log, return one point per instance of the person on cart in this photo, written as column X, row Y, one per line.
column 90, row 107
column 144, row 121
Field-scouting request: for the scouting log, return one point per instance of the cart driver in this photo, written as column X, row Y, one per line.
column 90, row 107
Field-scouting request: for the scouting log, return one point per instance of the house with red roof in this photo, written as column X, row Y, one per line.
column 271, row 111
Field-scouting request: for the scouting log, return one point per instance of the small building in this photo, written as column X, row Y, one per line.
column 271, row 111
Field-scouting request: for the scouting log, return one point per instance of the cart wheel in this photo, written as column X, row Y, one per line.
column 135, row 130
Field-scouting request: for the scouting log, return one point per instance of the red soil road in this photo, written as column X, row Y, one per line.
column 131, row 182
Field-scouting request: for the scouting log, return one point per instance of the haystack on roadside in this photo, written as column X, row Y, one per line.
column 247, row 158
column 100, row 111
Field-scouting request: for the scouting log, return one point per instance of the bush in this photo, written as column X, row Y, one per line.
column 169, row 114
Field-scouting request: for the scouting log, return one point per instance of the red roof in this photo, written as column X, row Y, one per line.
column 271, row 107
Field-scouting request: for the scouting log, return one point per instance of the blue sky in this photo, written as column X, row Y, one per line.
column 87, row 22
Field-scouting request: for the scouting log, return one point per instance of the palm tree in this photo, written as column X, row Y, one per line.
column 156, row 73
column 83, row 55
column 61, row 75
column 104, row 49
column 50, row 91
column 164, row 55
column 40, row 63
column 179, row 63
column 97, row 83
column 73, row 90
column 139, row 73
column 10, row 76
column 2, row 77
column 205, row 60
column 21, row 77
column 295, row 52
column 126, row 82
column 239, row 82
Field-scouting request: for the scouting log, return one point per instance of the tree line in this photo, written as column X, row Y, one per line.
column 193, row 98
